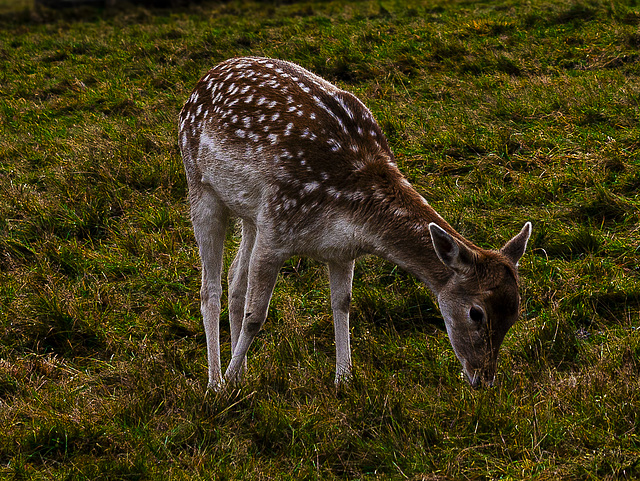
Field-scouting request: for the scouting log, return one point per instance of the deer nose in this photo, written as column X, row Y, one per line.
column 481, row 378
column 489, row 379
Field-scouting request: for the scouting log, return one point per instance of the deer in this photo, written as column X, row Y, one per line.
column 308, row 172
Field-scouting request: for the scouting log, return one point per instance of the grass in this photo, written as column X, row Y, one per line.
column 499, row 112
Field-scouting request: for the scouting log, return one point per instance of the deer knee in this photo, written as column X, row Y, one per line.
column 343, row 303
column 209, row 292
column 251, row 325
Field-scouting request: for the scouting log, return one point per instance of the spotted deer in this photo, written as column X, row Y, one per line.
column 307, row 169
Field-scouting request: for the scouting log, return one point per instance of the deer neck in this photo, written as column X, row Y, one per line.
column 399, row 233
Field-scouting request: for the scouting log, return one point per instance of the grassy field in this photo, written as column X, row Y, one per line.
column 498, row 111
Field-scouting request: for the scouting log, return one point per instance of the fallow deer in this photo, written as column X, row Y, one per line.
column 307, row 169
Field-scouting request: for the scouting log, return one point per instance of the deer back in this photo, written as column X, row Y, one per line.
column 279, row 143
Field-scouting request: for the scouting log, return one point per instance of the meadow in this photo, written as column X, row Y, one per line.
column 499, row 112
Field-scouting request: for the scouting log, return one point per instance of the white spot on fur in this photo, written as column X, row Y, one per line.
column 333, row 192
column 290, row 204
column 310, row 187
column 288, row 129
column 334, row 144
column 345, row 106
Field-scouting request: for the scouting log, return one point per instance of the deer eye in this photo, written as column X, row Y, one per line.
column 476, row 314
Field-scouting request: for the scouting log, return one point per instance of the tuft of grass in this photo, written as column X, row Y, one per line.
column 498, row 112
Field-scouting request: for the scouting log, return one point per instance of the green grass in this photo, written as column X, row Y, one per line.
column 499, row 112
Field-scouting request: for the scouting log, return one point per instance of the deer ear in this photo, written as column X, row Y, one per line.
column 451, row 253
column 514, row 249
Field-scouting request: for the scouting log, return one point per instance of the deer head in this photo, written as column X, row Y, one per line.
column 480, row 301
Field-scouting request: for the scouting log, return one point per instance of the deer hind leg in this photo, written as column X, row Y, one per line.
column 264, row 266
column 210, row 217
column 340, row 283
column 238, row 280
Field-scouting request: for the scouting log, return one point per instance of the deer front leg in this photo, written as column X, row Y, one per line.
column 209, row 219
column 340, row 283
column 263, row 272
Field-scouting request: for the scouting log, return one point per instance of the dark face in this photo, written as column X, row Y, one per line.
column 478, row 311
